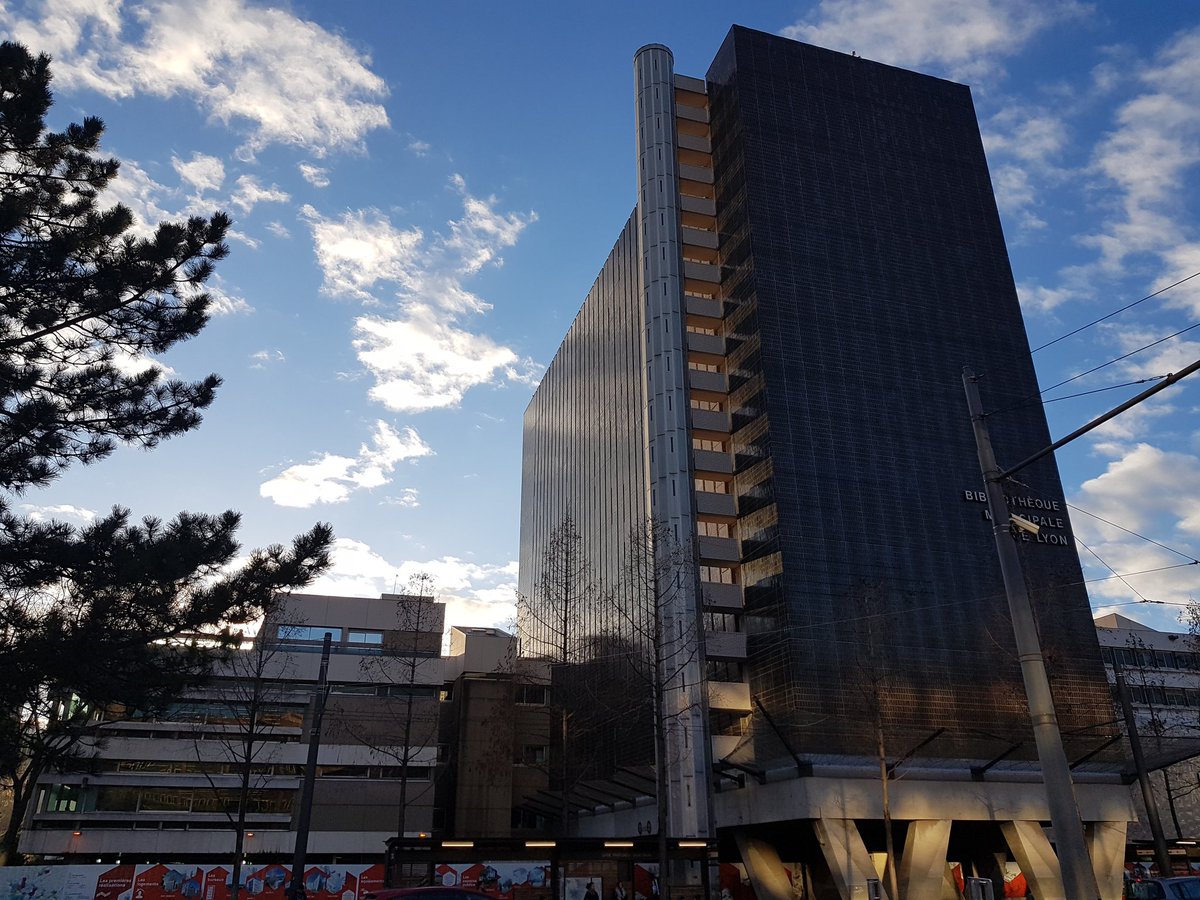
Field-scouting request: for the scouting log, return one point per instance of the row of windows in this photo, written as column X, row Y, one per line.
column 712, row 529
column 703, row 367
column 712, row 486
column 362, row 636
column 706, row 444
column 710, row 405
column 1145, row 658
column 717, row 574
column 61, row 798
column 1164, row 696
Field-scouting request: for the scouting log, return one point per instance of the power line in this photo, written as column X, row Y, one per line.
column 1119, row 358
column 1191, row 559
column 1114, row 313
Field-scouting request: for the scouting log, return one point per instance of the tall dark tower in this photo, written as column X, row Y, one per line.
column 778, row 339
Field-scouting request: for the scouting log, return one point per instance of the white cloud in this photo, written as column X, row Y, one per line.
column 482, row 232
column 225, row 303
column 419, row 148
column 362, row 249
column 1150, row 491
column 202, row 172
column 331, row 478
column 422, row 362
column 420, row 353
column 264, row 357
column 278, row 229
column 63, row 512
column 475, row 594
column 247, row 193
column 281, row 78
column 314, row 175
column 408, row 498
column 962, row 38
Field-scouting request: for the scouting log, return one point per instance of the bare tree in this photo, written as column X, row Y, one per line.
column 874, row 671
column 549, row 625
column 242, row 708
column 399, row 669
column 660, row 641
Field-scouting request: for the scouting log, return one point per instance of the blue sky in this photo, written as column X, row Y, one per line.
column 424, row 192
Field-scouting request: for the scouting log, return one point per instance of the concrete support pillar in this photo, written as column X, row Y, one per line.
column 923, row 865
column 1106, row 843
column 847, row 857
column 766, row 871
column 1035, row 856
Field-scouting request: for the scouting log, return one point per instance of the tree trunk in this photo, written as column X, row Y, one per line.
column 21, row 793
column 889, row 844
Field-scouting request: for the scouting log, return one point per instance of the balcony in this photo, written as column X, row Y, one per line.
column 699, row 237
column 709, row 272
column 696, row 173
column 731, row 695
column 710, row 420
column 724, row 744
column 703, row 205
column 715, row 504
column 708, row 381
column 706, row 343
column 712, row 461
column 722, row 597
column 695, row 142
column 727, row 646
column 718, row 549
column 691, row 113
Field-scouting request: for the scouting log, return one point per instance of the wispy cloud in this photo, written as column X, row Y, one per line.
column 277, row 77
column 419, row 350
column 474, row 593
column 202, row 172
column 63, row 512
column 263, row 358
column 961, row 38
column 314, row 175
column 331, row 478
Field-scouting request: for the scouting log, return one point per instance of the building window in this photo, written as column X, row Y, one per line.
column 710, row 405
column 535, row 754
column 358, row 636
column 531, row 694
column 716, row 574
column 712, row 529
column 712, row 486
column 309, row 633
column 700, row 329
column 706, row 444
column 726, row 622
column 703, row 367
column 724, row 671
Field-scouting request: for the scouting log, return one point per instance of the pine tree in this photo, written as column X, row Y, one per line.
column 117, row 615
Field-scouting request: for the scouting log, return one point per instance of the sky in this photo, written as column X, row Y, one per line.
column 423, row 194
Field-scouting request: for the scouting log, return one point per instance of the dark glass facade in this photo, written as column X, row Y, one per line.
column 864, row 267
column 861, row 266
column 584, row 447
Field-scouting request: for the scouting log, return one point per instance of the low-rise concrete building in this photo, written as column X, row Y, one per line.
column 165, row 787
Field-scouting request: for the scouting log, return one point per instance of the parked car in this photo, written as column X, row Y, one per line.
column 1184, row 888
column 436, row 892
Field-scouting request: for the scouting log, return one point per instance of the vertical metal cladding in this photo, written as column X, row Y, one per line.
column 665, row 411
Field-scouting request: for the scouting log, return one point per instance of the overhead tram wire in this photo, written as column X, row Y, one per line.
column 1191, row 560
column 1115, row 312
column 1029, row 400
column 1102, row 562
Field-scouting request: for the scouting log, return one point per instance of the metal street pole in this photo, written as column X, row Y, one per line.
column 1079, row 879
column 296, row 888
column 1139, row 763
